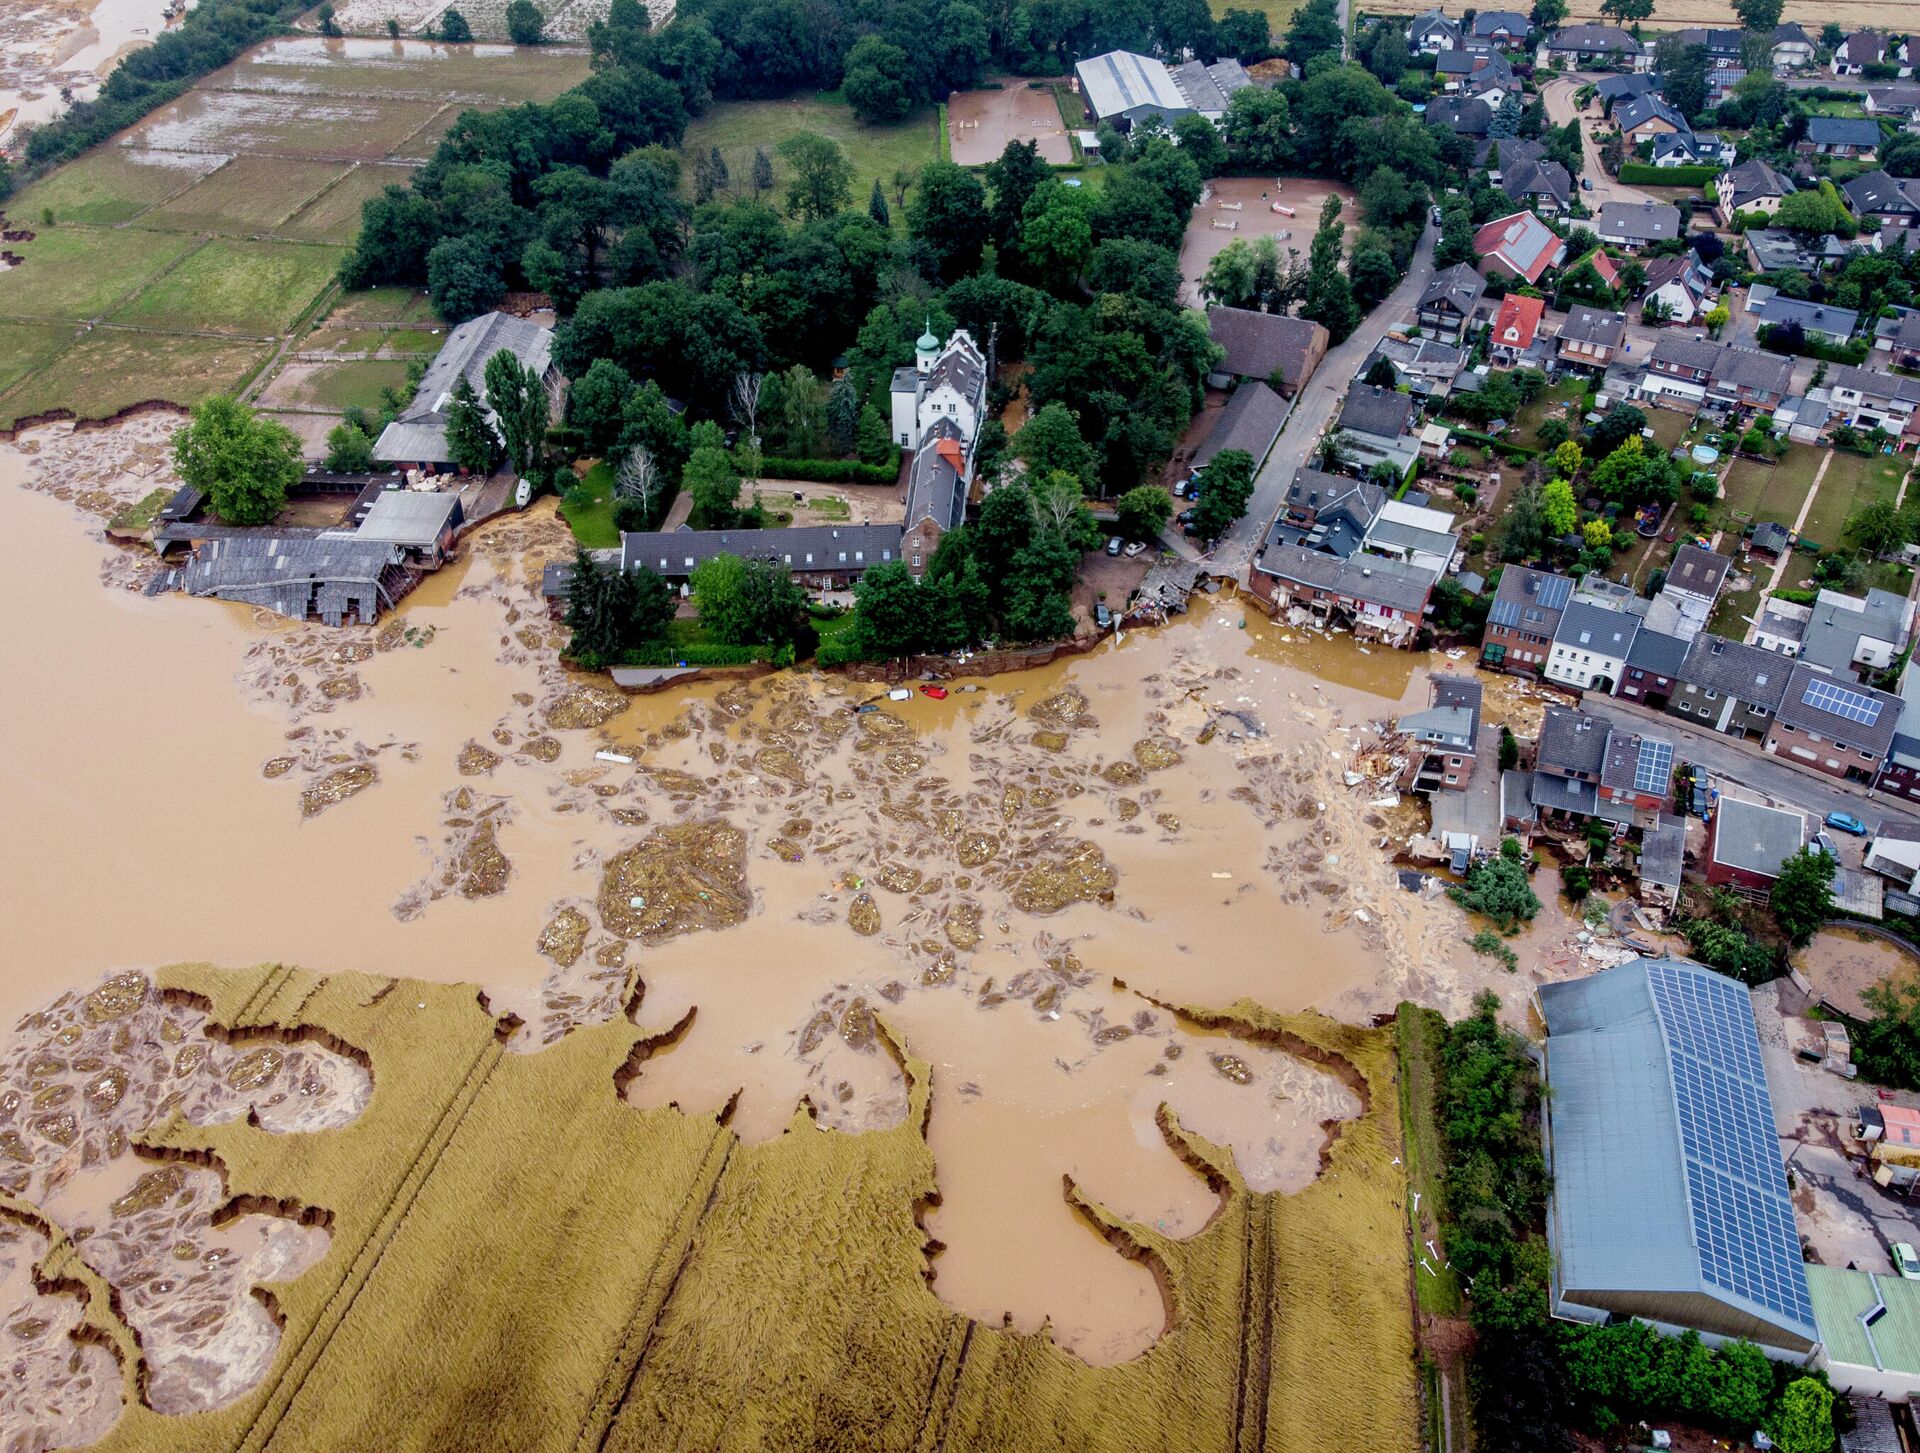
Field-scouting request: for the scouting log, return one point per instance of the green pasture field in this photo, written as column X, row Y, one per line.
column 227, row 286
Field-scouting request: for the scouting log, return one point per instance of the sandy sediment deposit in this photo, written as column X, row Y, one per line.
column 751, row 932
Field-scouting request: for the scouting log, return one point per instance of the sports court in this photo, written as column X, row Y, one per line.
column 981, row 123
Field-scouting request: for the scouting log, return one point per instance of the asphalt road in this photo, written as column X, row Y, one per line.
column 1316, row 407
column 1745, row 764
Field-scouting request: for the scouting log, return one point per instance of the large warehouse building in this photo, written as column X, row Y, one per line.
column 1123, row 87
column 1670, row 1199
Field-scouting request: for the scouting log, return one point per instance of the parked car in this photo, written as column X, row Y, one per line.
column 1116, row 545
column 1586, row 184
column 1824, row 844
column 1102, row 617
column 1180, row 488
column 1847, row 822
column 1905, row 1260
column 1134, row 549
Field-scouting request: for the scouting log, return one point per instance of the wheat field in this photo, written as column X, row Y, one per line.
column 520, row 1260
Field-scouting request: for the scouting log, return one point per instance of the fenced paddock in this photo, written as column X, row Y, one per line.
column 981, row 123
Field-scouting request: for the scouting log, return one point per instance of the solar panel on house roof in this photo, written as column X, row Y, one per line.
column 1736, row 1185
column 1831, row 696
column 1654, row 770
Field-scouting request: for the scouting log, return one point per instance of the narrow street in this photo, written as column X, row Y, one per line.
column 1561, row 109
column 1315, row 407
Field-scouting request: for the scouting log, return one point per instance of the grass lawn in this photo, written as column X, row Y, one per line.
column 737, row 127
column 25, row 347
column 1852, row 481
column 1279, row 13
column 113, row 369
column 588, row 509
column 80, row 272
column 343, row 385
column 249, row 194
column 1752, row 491
column 1550, row 405
column 1418, row 1035
column 109, row 184
column 255, row 288
column 1669, row 427
column 420, row 342
column 1835, row 108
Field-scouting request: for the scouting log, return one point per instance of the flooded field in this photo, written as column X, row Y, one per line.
column 1014, row 887
column 50, row 45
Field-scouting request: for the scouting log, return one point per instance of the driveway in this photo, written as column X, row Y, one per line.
column 1559, row 94
column 1316, row 407
column 1745, row 764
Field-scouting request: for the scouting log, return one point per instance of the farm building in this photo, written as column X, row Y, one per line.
column 418, row 438
column 1123, row 87
column 422, row 523
column 1670, row 1199
column 1250, row 421
column 330, row 575
column 831, row 556
column 1279, row 349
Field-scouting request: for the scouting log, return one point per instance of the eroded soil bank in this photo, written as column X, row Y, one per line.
column 1015, row 878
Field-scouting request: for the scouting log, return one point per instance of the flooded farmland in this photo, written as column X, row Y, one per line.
column 1014, row 885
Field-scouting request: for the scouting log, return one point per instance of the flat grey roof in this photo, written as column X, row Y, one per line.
column 1756, row 838
column 408, row 517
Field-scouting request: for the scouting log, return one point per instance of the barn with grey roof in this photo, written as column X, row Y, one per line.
column 1670, row 1198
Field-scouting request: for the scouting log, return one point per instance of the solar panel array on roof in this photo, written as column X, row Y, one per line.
column 1654, row 769
column 1736, row 1185
column 1831, row 696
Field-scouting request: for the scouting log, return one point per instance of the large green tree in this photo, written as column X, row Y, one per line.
column 1226, row 484
column 244, row 464
column 1759, row 15
column 519, row 402
column 1329, row 296
column 1802, row 896
column 875, row 84
column 947, row 220
column 714, row 484
column 1803, row 1423
column 821, row 177
column 471, row 441
column 745, row 602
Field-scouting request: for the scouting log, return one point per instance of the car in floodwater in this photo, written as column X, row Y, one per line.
column 1847, row 823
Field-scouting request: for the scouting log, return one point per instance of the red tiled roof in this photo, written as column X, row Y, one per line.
column 1517, row 321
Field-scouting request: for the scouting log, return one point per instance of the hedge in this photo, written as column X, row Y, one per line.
column 1640, row 174
column 832, row 471
column 667, row 654
column 1518, row 453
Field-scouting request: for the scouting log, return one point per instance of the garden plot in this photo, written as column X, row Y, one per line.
column 238, row 121
column 877, row 152
column 1242, row 207
column 250, row 194
column 111, row 184
column 334, row 215
column 255, row 288
column 981, row 123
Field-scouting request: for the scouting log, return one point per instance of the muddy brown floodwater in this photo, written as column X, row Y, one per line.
column 1019, row 880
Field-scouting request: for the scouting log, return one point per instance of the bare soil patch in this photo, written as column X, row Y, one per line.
column 1242, row 207
column 981, row 123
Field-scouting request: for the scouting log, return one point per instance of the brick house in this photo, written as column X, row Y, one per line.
column 1747, row 843
column 1834, row 726
column 1730, row 687
column 1591, row 336
column 1379, row 599
column 1636, row 774
column 1443, row 740
column 1653, row 668
column 1522, row 619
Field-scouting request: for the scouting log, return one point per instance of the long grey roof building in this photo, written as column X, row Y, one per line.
column 1670, row 1197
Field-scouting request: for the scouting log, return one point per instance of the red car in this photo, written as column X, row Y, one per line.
column 938, row 693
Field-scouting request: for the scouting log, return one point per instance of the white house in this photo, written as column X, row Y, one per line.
column 944, row 383
column 1872, row 399
column 1590, row 647
column 1414, row 534
column 1431, row 32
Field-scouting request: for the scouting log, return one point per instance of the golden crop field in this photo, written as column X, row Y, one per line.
column 1896, row 16
column 522, row 1261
